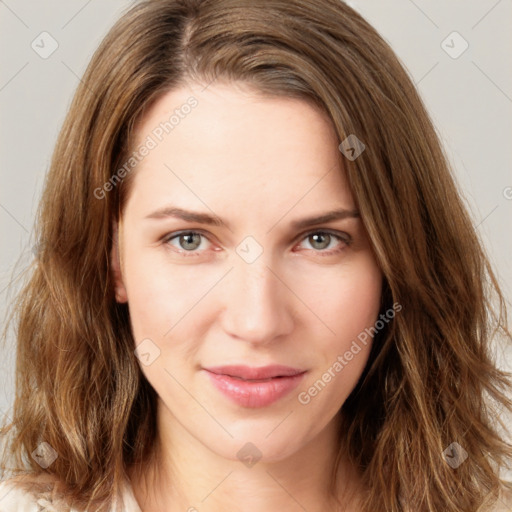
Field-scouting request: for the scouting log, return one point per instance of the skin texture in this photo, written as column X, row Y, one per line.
column 259, row 164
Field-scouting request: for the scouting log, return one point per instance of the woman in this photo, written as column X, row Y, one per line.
column 258, row 288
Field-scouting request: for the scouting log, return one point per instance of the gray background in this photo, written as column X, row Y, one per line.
column 469, row 98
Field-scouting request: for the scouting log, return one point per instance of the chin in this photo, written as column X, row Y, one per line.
column 251, row 447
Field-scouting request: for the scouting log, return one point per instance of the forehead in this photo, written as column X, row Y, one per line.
column 235, row 149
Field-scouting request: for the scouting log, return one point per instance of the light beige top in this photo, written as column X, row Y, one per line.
column 14, row 499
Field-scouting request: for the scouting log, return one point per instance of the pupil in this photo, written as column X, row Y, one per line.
column 189, row 240
column 326, row 236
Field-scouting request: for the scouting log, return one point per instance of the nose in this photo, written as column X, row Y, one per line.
column 257, row 303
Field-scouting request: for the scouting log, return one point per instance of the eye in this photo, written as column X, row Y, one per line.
column 190, row 243
column 186, row 241
column 321, row 240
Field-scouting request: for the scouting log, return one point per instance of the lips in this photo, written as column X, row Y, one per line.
column 254, row 373
column 254, row 387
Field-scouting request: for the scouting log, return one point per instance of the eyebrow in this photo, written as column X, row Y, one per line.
column 213, row 220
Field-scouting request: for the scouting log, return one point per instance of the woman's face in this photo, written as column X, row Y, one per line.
column 249, row 281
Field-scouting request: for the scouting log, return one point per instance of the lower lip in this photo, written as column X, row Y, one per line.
column 254, row 394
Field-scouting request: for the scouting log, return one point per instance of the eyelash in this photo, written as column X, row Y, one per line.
column 342, row 237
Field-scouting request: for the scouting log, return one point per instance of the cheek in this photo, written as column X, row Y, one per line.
column 348, row 302
column 350, row 309
column 159, row 295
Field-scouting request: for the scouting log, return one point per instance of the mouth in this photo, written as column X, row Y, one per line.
column 255, row 387
column 257, row 380
column 249, row 373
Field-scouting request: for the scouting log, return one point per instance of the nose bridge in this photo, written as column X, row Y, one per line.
column 257, row 304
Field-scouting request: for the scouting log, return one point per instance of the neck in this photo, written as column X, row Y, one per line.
column 184, row 475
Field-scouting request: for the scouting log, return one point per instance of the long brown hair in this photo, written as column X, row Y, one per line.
column 430, row 380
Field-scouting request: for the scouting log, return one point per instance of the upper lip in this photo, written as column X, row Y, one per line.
column 250, row 373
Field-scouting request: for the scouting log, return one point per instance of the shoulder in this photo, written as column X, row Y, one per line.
column 504, row 503
column 35, row 494
column 16, row 497
column 27, row 493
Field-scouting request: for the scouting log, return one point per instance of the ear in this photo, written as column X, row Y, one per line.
column 115, row 265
